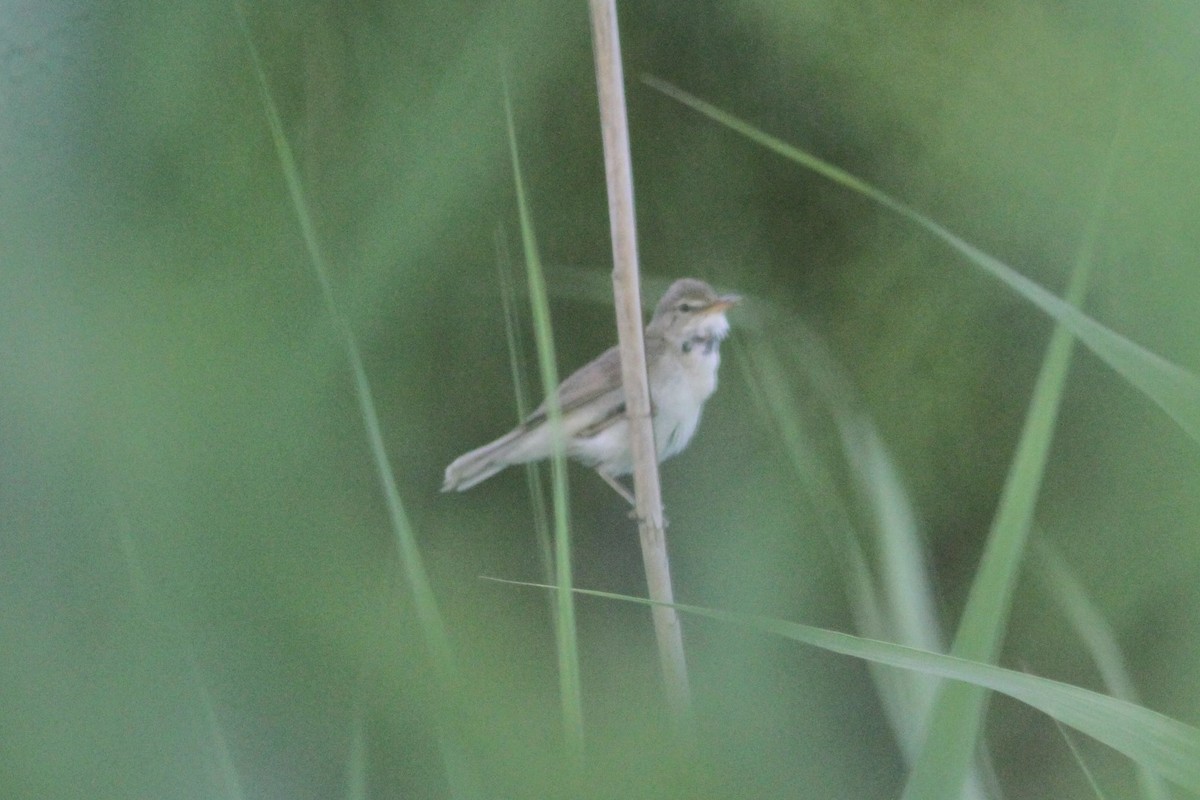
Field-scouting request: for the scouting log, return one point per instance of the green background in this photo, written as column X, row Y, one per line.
column 193, row 541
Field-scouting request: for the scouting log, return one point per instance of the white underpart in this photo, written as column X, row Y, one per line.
column 678, row 390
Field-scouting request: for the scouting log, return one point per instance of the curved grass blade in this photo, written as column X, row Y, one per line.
column 1153, row 740
column 1098, row 638
column 418, row 578
column 1174, row 389
column 459, row 771
column 958, row 712
column 881, row 608
column 1088, row 774
column 512, row 336
column 568, row 648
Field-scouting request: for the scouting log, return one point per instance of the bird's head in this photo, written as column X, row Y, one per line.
column 691, row 308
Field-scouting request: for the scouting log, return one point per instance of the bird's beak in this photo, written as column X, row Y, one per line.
column 724, row 302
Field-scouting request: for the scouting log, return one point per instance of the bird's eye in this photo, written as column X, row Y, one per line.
column 686, row 307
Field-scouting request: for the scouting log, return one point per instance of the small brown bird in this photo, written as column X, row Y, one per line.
column 682, row 356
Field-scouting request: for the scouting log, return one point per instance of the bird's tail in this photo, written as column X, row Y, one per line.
column 482, row 463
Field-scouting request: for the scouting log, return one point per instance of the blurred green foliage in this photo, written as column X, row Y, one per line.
column 194, row 555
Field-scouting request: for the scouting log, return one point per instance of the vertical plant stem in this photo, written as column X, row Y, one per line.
column 512, row 330
column 460, row 772
column 570, row 691
column 956, row 720
column 619, row 171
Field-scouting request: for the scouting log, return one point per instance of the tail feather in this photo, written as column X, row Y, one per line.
column 482, row 463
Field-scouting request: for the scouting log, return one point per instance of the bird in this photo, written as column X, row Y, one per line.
column 683, row 354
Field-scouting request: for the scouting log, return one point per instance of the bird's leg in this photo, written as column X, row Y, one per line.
column 618, row 488
column 628, row 495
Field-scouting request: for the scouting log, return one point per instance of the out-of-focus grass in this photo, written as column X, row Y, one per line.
column 566, row 637
column 1170, row 748
column 461, row 773
column 1097, row 635
column 943, row 766
column 170, row 371
column 1174, row 389
column 513, row 335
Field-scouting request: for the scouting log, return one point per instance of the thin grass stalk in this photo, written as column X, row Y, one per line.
column 1077, row 754
column 512, row 336
column 224, row 769
column 1172, row 388
column 1098, row 638
column 906, row 696
column 570, row 691
column 358, row 764
column 773, row 400
column 958, row 712
column 614, row 125
column 1169, row 747
column 426, row 605
column 460, row 772
column 890, row 595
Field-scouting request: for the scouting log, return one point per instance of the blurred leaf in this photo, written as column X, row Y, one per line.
column 227, row 776
column 1098, row 637
column 898, row 607
column 460, row 771
column 1174, row 389
column 1155, row 741
column 566, row 638
column 958, row 711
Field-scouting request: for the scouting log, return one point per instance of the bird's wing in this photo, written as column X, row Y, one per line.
column 579, row 388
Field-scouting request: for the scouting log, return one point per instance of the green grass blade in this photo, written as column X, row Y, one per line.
column 225, row 772
column 1175, row 390
column 958, row 711
column 905, row 702
column 459, row 770
column 566, row 638
column 891, row 596
column 1098, row 638
column 907, row 611
column 418, row 579
column 1077, row 754
column 1153, row 740
column 957, row 718
column 512, row 337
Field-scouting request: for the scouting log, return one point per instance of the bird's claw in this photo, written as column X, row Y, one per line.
column 633, row 514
